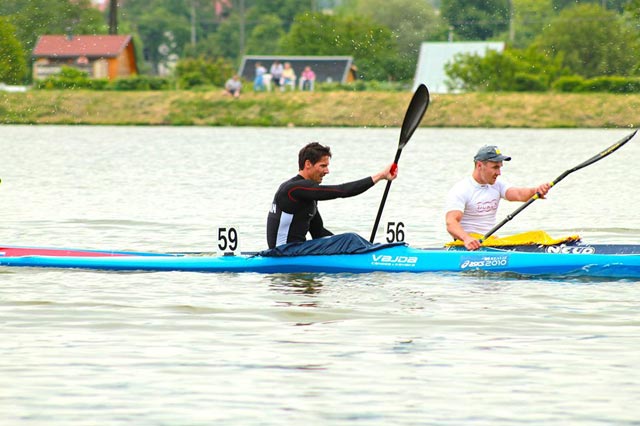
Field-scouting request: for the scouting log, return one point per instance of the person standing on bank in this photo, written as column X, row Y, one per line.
column 472, row 203
column 294, row 211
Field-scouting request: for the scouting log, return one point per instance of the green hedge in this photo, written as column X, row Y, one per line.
column 606, row 84
column 364, row 86
column 524, row 82
column 68, row 78
column 72, row 78
column 141, row 82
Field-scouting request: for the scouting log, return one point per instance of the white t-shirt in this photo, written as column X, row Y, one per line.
column 478, row 203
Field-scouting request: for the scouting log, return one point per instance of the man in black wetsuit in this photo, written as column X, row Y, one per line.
column 294, row 211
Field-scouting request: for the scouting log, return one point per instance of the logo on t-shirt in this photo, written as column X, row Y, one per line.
column 487, row 206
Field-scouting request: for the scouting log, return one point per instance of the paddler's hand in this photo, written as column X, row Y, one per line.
column 471, row 243
column 543, row 189
column 389, row 173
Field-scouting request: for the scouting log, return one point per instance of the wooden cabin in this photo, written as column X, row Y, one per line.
column 101, row 56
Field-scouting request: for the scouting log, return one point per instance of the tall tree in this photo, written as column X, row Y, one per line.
column 371, row 45
column 286, row 10
column 476, row 19
column 224, row 42
column 529, row 18
column 173, row 24
column 13, row 67
column 617, row 5
column 633, row 10
column 164, row 36
column 410, row 22
column 592, row 41
column 33, row 18
column 264, row 38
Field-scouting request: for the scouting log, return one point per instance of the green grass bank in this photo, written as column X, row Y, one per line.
column 339, row 108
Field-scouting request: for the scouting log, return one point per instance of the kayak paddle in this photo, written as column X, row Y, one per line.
column 413, row 116
column 590, row 161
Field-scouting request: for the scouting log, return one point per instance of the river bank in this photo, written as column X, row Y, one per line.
column 323, row 109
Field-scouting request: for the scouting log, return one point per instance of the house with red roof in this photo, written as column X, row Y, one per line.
column 102, row 56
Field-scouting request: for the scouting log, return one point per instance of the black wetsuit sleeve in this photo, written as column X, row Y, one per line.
column 308, row 190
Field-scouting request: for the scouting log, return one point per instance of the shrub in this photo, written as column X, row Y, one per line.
column 141, row 82
column 606, row 84
column 569, row 84
column 99, row 84
column 613, row 84
column 191, row 79
column 511, row 70
column 68, row 78
column 524, row 82
column 201, row 71
column 363, row 85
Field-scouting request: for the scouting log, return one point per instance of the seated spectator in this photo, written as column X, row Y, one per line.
column 233, row 86
column 276, row 72
column 258, row 82
column 288, row 77
column 307, row 79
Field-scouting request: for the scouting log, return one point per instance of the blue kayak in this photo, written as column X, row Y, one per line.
column 389, row 258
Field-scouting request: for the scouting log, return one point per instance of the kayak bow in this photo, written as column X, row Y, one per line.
column 15, row 251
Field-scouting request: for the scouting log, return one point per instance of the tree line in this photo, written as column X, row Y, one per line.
column 547, row 40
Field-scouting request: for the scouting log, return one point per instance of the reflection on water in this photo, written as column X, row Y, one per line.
column 300, row 283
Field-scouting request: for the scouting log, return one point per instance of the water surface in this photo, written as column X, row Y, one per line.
column 97, row 348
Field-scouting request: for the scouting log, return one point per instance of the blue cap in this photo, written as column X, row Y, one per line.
column 490, row 153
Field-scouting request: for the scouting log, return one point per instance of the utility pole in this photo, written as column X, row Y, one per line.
column 113, row 17
column 512, row 24
column 241, row 29
column 193, row 23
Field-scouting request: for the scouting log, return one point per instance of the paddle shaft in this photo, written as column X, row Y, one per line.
column 566, row 173
column 384, row 197
column 417, row 107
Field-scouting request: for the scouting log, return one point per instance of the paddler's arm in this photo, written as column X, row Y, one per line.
column 385, row 174
column 454, row 228
column 308, row 190
column 524, row 194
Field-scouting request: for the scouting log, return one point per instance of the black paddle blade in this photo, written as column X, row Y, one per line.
column 413, row 116
column 417, row 107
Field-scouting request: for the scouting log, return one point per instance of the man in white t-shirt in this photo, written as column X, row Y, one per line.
column 473, row 202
